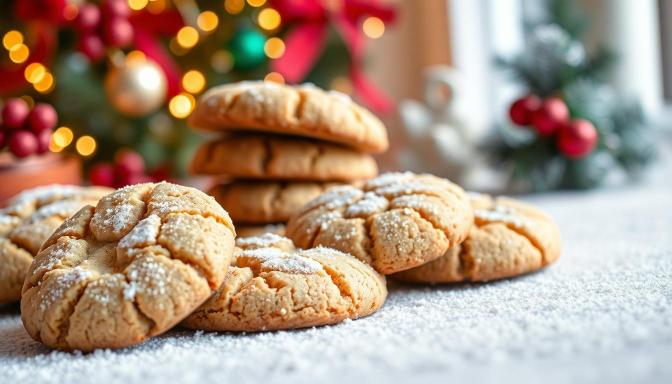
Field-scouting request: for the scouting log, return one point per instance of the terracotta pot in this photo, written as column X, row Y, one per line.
column 17, row 175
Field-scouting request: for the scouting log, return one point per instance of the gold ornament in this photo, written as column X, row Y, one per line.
column 136, row 87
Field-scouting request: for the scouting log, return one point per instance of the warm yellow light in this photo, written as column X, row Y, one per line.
column 181, row 105
column 62, row 137
column 45, row 85
column 222, row 61
column 269, row 19
column 85, row 145
column 234, row 7
column 256, row 3
column 156, row 6
column 274, row 77
column 187, row 37
column 53, row 147
column 207, row 21
column 70, row 12
column 274, row 47
column 137, row 5
column 373, row 27
column 193, row 81
column 11, row 39
column 35, row 72
column 19, row 53
column 136, row 56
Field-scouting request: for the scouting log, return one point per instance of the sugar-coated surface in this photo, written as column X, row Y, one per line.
column 602, row 313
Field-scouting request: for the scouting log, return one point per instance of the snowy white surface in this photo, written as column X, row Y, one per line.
column 602, row 313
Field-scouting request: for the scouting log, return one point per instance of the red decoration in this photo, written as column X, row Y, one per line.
column 128, row 168
column 14, row 113
column 577, row 138
column 118, row 32
column 23, row 144
column 552, row 113
column 43, row 140
column 88, row 17
column 129, row 163
column 309, row 22
column 521, row 110
column 116, row 8
column 91, row 45
column 102, row 174
column 42, row 118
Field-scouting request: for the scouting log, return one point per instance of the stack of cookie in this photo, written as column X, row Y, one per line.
column 284, row 145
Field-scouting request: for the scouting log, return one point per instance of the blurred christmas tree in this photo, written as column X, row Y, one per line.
column 581, row 130
column 124, row 74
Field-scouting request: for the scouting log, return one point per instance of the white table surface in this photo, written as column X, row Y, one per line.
column 602, row 313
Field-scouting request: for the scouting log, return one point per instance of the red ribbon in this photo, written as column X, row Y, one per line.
column 304, row 42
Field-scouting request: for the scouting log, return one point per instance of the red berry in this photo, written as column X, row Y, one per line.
column 43, row 140
column 522, row 109
column 577, row 138
column 115, row 8
column 92, row 46
column 129, row 163
column 14, row 113
column 102, row 174
column 88, row 17
column 42, row 118
column 23, row 143
column 118, row 32
column 552, row 113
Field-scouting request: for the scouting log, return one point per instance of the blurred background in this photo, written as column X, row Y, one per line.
column 499, row 95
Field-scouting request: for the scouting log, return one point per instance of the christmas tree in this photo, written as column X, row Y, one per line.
column 123, row 75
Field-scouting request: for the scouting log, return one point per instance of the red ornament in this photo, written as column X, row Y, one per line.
column 521, row 110
column 115, row 8
column 88, row 17
column 92, row 46
column 577, row 138
column 102, row 174
column 552, row 113
column 23, row 144
column 42, row 118
column 14, row 113
column 118, row 32
column 129, row 163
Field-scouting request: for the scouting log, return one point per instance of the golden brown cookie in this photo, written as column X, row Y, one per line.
column 128, row 269
column 281, row 158
column 303, row 110
column 256, row 230
column 27, row 221
column 509, row 238
column 396, row 221
column 261, row 202
column 271, row 285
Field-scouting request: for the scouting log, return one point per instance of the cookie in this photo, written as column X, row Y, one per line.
column 509, row 238
column 132, row 267
column 256, row 230
column 396, row 221
column 281, row 158
column 303, row 110
column 271, row 286
column 262, row 202
column 27, row 221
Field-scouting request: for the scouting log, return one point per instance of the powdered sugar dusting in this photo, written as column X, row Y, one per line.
column 62, row 283
column 9, row 220
column 261, row 241
column 149, row 277
column 389, row 178
column 501, row 213
column 64, row 209
column 120, row 216
column 336, row 197
column 277, row 260
column 369, row 204
column 143, row 234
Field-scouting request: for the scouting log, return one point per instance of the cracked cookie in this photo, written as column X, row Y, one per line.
column 303, row 110
column 271, row 285
column 277, row 157
column 396, row 221
column 256, row 230
column 261, row 202
column 509, row 238
column 27, row 221
column 132, row 267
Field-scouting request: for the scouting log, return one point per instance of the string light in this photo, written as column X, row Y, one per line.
column 181, row 105
column 19, row 53
column 135, row 56
column 62, row 137
column 274, row 47
column 256, row 3
column 275, row 77
column 156, row 6
column 137, row 5
column 193, row 81
column 373, row 27
column 53, row 147
column 234, row 7
column 187, row 37
column 34, row 73
column 207, row 21
column 269, row 19
column 12, row 38
column 85, row 145
column 45, row 85
column 222, row 61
